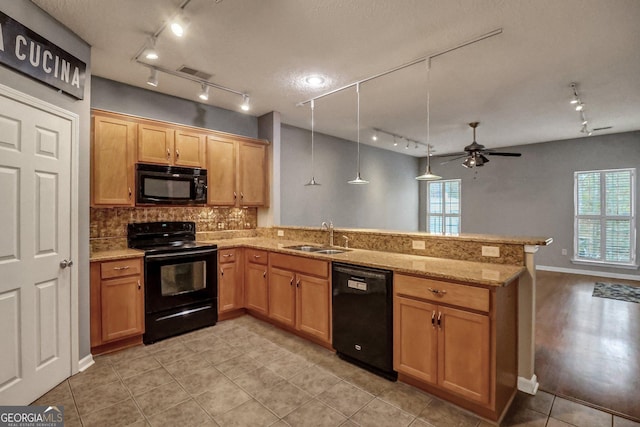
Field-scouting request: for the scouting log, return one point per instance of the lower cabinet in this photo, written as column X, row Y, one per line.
column 300, row 295
column 117, row 304
column 255, row 281
column 457, row 341
column 230, row 286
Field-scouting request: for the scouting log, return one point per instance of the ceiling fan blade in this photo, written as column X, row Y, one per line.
column 460, row 153
column 602, row 128
column 494, row 153
column 454, row 159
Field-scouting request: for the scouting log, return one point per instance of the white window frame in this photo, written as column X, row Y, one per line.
column 603, row 217
column 443, row 214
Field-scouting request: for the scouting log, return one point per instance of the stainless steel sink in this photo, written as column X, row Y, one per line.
column 316, row 249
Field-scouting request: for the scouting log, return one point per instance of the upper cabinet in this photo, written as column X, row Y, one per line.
column 170, row 145
column 237, row 171
column 112, row 160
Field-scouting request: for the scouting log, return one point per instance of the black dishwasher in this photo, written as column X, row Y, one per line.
column 363, row 317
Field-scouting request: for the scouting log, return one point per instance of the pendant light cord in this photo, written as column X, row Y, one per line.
column 312, row 163
column 358, row 124
column 429, row 115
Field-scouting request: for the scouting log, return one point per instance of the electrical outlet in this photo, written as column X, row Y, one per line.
column 564, row 252
column 491, row 251
column 417, row 244
column 280, row 233
column 221, row 225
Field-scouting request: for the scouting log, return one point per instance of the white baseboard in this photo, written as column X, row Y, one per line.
column 85, row 363
column 527, row 385
column 588, row 272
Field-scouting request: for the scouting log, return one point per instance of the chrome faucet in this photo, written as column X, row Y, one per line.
column 329, row 227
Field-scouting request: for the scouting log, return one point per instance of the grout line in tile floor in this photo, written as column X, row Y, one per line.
column 245, row 372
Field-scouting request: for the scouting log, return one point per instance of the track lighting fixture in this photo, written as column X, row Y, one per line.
column 204, row 93
column 152, row 80
column 395, row 143
column 245, row 103
column 179, row 24
column 407, row 146
column 151, row 53
column 579, row 106
column 375, row 136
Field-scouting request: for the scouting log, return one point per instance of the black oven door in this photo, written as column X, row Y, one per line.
column 180, row 278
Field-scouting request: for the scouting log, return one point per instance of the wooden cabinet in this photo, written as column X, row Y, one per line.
column 117, row 304
column 256, row 281
column 237, row 171
column 112, row 160
column 300, row 294
column 230, row 297
column 170, row 145
column 457, row 341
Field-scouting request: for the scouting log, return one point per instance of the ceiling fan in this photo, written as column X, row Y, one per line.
column 474, row 153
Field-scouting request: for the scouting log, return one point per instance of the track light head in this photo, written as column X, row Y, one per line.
column 204, row 93
column 151, row 53
column 245, row 103
column 152, row 80
column 579, row 106
column 179, row 24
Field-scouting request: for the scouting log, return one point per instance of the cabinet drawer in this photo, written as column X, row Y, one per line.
column 257, row 256
column 447, row 293
column 227, row 255
column 300, row 264
column 120, row 268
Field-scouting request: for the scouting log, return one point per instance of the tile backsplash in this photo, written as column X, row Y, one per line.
column 108, row 226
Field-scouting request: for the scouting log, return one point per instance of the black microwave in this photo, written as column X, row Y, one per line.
column 170, row 185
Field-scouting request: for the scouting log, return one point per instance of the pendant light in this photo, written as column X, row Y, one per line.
column 428, row 175
column 358, row 180
column 313, row 178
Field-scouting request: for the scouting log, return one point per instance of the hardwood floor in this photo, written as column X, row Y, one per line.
column 587, row 348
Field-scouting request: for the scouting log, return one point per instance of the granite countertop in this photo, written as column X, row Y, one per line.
column 439, row 268
column 114, row 254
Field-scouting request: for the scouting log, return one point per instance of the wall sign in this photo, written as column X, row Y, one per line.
column 33, row 55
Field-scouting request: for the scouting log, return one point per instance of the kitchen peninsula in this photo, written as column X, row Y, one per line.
column 483, row 294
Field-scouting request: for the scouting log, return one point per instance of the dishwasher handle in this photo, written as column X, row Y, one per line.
column 361, row 274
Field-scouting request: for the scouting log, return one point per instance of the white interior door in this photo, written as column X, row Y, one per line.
column 35, row 219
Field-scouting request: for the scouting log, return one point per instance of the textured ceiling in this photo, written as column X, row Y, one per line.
column 516, row 83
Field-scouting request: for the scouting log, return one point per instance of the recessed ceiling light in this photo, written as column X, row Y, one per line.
column 314, row 80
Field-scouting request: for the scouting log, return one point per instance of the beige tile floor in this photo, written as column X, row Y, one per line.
column 244, row 372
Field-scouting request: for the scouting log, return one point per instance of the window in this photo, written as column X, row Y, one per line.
column 443, row 206
column 604, row 226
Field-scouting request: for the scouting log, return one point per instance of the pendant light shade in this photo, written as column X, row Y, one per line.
column 358, row 179
column 312, row 181
column 428, row 175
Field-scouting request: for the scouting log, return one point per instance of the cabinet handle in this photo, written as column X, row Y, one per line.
column 129, row 192
column 264, row 274
column 440, row 320
column 241, row 195
column 291, row 282
column 126, row 267
column 168, row 154
column 235, row 195
column 226, row 255
column 433, row 318
column 298, row 283
column 139, row 286
column 437, row 292
column 221, row 272
column 177, row 154
column 257, row 256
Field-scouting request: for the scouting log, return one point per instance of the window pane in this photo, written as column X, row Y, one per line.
column 435, row 197
column 452, row 197
column 435, row 224
column 589, row 238
column 618, row 240
column 588, row 193
column 618, row 193
column 452, row 225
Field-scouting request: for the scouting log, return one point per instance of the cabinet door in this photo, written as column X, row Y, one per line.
column 313, row 306
column 464, row 353
column 228, row 290
column 155, row 144
column 256, row 288
column 253, row 164
column 221, row 172
column 122, row 307
column 189, row 149
column 282, row 296
column 112, row 161
column 415, row 339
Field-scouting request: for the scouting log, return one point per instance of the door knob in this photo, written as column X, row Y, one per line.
column 66, row 263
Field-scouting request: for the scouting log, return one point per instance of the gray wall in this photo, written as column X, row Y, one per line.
column 33, row 17
column 122, row 98
column 389, row 202
column 533, row 195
